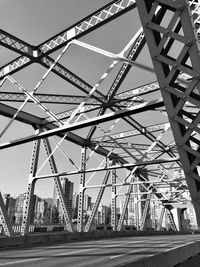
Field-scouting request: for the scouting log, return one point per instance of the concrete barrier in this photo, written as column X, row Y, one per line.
column 45, row 238
column 170, row 257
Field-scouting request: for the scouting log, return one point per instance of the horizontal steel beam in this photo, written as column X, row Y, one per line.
column 75, row 126
column 121, row 166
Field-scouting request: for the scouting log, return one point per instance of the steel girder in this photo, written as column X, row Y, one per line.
column 145, row 211
column 81, row 191
column 30, row 189
column 47, row 98
column 160, row 40
column 89, row 122
column 40, row 54
column 4, row 220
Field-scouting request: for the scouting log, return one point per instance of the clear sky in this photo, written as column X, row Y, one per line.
column 35, row 22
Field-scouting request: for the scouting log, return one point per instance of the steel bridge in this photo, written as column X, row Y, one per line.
column 132, row 115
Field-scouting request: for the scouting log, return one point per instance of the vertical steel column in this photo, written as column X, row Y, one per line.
column 136, row 208
column 4, row 220
column 81, row 191
column 153, row 214
column 58, row 186
column 161, row 218
column 96, row 204
column 145, row 211
column 113, row 202
column 31, row 187
column 171, row 220
column 121, row 219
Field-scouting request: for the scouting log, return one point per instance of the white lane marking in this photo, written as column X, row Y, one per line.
column 46, row 257
column 134, row 251
column 20, row 261
column 99, row 245
column 117, row 256
column 183, row 245
column 74, row 252
column 123, row 243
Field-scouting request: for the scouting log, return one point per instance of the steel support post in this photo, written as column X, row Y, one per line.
column 97, row 202
column 144, row 214
column 177, row 34
column 28, row 213
column 4, row 220
column 113, row 201
column 81, row 191
column 171, row 220
column 58, row 186
column 136, row 208
column 121, row 219
column 153, row 214
column 161, row 218
column 136, row 215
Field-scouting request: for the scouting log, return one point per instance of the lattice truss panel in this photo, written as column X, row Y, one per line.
column 117, row 125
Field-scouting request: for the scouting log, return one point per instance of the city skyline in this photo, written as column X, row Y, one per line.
column 43, row 212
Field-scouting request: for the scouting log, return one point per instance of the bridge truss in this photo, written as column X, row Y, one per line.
column 139, row 142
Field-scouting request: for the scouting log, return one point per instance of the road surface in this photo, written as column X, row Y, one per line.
column 94, row 253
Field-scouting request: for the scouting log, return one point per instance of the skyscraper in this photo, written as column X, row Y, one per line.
column 19, row 208
column 10, row 207
column 75, row 206
column 87, row 203
column 67, row 188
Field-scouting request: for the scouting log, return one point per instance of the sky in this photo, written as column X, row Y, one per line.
column 34, row 22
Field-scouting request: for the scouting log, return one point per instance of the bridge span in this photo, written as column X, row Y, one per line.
column 137, row 251
column 104, row 108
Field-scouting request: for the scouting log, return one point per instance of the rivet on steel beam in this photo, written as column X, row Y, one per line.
column 167, row 32
column 189, row 43
column 188, row 172
column 180, row 8
column 180, row 144
column 172, row 117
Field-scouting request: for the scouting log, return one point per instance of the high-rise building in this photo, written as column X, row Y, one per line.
column 75, row 206
column 39, row 210
column 6, row 198
column 10, row 207
column 32, row 208
column 68, row 188
column 87, row 203
column 103, row 215
column 19, row 208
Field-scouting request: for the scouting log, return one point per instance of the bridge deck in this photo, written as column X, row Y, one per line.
column 105, row 252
